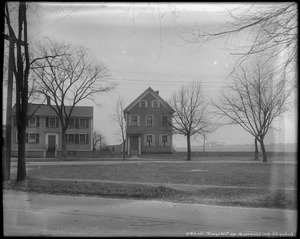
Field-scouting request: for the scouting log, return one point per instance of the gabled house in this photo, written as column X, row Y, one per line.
column 148, row 128
column 43, row 132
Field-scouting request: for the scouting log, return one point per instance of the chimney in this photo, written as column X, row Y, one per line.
column 48, row 100
column 157, row 92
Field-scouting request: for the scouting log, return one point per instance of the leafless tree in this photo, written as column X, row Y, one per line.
column 99, row 140
column 256, row 98
column 272, row 29
column 191, row 113
column 119, row 118
column 69, row 77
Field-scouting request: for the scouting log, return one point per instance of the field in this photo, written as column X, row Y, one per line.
column 231, row 183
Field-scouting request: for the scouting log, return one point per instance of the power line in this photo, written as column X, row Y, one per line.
column 168, row 74
column 136, row 81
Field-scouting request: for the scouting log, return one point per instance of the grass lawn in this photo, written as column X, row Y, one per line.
column 264, row 178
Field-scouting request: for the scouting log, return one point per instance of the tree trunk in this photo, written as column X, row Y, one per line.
column 263, row 150
column 256, row 149
column 21, row 171
column 189, row 154
column 63, row 143
column 124, row 150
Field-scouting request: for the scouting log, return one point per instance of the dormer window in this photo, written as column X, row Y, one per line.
column 143, row 104
column 155, row 104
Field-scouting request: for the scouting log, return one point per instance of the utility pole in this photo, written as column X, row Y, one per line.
column 6, row 168
column 204, row 138
column 7, row 157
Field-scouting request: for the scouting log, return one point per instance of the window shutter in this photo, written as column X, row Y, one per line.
column 47, row 121
column 146, row 104
column 57, row 122
column 37, row 138
column 129, row 120
column 16, row 137
column 138, row 120
column 37, row 121
column 153, row 140
column 87, row 121
column 76, row 123
column 26, row 138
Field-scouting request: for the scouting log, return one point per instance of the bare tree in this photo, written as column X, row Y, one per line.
column 99, row 140
column 67, row 78
column 272, row 29
column 191, row 109
column 119, row 118
column 256, row 98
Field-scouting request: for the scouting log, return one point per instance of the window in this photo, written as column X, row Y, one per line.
column 34, row 121
column 155, row 104
column 149, row 120
column 52, row 122
column 72, row 123
column 77, row 138
column 143, row 104
column 134, row 120
column 164, row 121
column 164, row 139
column 149, row 140
column 82, row 138
column 82, row 123
column 71, row 139
column 31, row 138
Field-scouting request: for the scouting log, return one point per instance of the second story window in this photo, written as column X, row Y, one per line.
column 72, row 123
column 82, row 123
column 34, row 121
column 52, row 122
column 134, row 120
column 149, row 120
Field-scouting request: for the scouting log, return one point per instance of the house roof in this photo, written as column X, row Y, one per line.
column 141, row 96
column 46, row 110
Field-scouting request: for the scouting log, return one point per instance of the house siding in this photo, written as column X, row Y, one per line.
column 43, row 131
column 156, row 130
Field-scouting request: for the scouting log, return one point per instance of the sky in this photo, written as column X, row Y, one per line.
column 142, row 45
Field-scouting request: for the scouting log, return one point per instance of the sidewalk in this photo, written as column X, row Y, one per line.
column 52, row 215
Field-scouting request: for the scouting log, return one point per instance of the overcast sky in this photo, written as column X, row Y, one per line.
column 142, row 46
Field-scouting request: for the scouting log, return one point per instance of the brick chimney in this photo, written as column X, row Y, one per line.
column 48, row 100
column 157, row 92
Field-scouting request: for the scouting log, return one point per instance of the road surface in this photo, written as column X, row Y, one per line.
column 31, row 214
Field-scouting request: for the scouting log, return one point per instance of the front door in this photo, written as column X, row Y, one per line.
column 51, row 142
column 134, row 145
